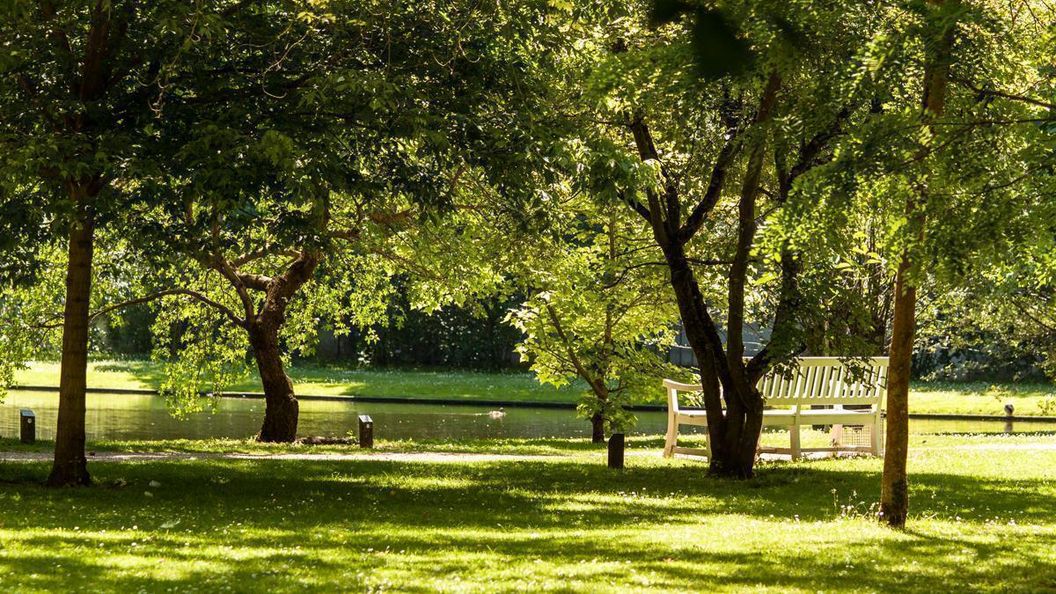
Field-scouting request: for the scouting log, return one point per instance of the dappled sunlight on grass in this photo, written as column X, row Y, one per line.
column 560, row 522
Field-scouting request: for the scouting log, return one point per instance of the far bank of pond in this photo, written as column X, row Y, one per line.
column 138, row 416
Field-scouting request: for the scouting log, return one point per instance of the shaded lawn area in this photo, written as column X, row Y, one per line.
column 926, row 397
column 984, row 519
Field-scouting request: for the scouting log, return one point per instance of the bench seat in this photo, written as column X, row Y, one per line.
column 817, row 394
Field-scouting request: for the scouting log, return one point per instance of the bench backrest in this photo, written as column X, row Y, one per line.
column 819, row 380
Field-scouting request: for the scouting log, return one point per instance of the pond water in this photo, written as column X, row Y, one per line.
column 124, row 416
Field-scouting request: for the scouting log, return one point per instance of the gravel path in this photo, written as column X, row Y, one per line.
column 426, row 457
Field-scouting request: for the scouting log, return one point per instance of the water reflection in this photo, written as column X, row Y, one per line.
column 122, row 416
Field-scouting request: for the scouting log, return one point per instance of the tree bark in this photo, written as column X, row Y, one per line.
column 894, row 494
column 733, row 433
column 70, row 467
column 894, row 497
column 726, row 436
column 281, row 407
column 744, row 403
column 281, row 410
column 597, row 428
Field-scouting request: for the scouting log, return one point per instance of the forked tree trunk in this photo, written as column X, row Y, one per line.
column 894, row 494
column 281, row 407
column 70, row 467
column 734, row 436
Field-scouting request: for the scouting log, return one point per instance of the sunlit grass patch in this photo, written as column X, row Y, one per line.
column 983, row 520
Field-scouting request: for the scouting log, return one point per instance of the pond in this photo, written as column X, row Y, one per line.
column 129, row 417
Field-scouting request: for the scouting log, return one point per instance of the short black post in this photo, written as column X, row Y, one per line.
column 366, row 431
column 28, row 426
column 616, row 450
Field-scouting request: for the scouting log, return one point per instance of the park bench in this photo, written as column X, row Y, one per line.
column 820, row 392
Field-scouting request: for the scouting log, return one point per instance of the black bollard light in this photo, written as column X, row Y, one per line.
column 28, row 426
column 616, row 451
column 366, row 431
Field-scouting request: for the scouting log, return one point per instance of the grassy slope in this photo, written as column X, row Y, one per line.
column 967, row 398
column 984, row 519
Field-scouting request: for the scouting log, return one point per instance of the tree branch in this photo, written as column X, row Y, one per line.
column 151, row 297
column 713, row 192
column 221, row 265
column 985, row 92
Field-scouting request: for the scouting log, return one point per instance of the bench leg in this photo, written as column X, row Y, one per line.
column 875, row 438
column 672, row 436
column 793, row 433
column 836, row 436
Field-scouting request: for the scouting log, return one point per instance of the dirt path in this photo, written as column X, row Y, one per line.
column 425, row 457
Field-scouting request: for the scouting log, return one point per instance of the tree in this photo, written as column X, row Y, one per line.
column 600, row 313
column 894, row 498
column 772, row 121
column 940, row 164
column 76, row 97
column 372, row 135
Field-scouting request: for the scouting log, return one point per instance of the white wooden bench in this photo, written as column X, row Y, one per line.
column 790, row 402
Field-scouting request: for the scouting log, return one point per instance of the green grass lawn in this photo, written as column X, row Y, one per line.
column 983, row 519
column 330, row 381
column 934, row 397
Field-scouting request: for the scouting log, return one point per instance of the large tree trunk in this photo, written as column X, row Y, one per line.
column 281, row 410
column 70, row 467
column 734, row 436
column 894, row 494
column 744, row 424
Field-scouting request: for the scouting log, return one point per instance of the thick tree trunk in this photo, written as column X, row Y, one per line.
column 70, row 467
column 734, row 436
column 281, row 410
column 894, row 493
column 281, row 407
column 597, row 428
column 744, row 424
